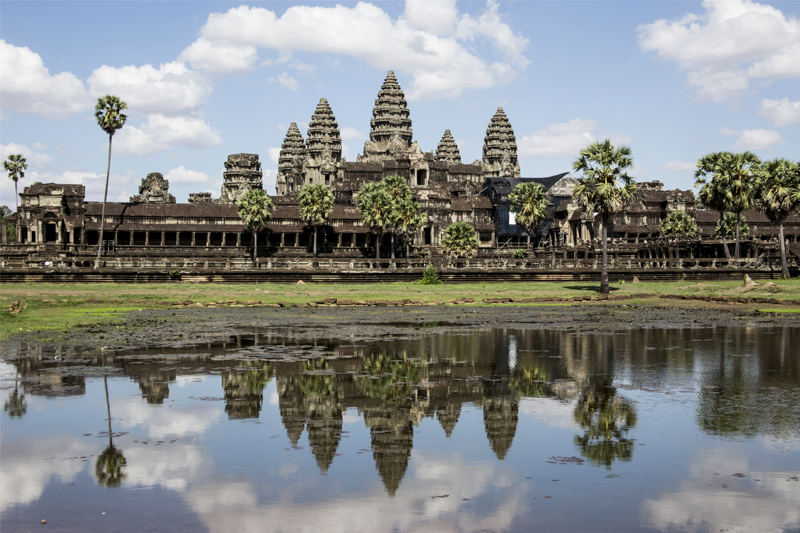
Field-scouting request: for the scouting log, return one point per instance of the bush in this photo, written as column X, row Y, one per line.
column 430, row 277
column 519, row 254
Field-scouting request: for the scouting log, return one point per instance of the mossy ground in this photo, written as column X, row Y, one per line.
column 61, row 306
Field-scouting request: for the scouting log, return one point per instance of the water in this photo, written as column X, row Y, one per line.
column 479, row 430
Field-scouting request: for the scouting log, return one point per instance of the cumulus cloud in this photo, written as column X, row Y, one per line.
column 32, row 158
column 286, row 81
column 274, row 155
column 733, row 42
column 161, row 132
column 679, row 166
column 780, row 112
column 439, row 54
column 184, row 175
column 753, row 139
column 26, row 86
column 347, row 133
column 170, row 89
column 565, row 139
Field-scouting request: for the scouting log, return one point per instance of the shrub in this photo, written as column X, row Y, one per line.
column 519, row 254
column 430, row 276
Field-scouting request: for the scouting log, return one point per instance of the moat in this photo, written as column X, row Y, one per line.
column 551, row 419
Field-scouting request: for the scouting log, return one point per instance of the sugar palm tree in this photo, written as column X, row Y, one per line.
column 398, row 192
column 110, row 466
column 15, row 405
column 711, row 175
column 316, row 205
column 255, row 210
column 15, row 165
column 727, row 226
column 407, row 220
column 775, row 183
column 605, row 188
column 529, row 202
column 375, row 206
column 110, row 118
column 678, row 223
column 460, row 240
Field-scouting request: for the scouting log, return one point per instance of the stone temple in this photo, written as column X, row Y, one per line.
column 56, row 224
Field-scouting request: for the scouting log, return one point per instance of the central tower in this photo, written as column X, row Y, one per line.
column 390, row 128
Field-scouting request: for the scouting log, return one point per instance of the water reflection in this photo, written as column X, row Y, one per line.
column 410, row 407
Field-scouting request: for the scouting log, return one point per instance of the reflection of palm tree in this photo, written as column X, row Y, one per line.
column 316, row 378
column 15, row 405
column 110, row 465
column 388, row 378
column 605, row 418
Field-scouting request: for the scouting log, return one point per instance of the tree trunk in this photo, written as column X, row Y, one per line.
column 784, row 264
column 315, row 241
column 16, row 195
column 529, row 240
column 604, row 271
column 378, row 245
column 738, row 233
column 103, row 216
column 724, row 239
column 255, row 246
column 392, row 245
column 108, row 410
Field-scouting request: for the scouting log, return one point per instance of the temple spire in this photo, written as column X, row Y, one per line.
column 500, row 148
column 290, row 161
column 448, row 149
column 390, row 127
column 323, row 145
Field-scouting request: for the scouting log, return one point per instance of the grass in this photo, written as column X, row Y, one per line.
column 60, row 306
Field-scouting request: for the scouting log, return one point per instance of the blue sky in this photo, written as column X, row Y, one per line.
column 673, row 80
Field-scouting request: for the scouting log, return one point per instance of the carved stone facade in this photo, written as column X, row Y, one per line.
column 242, row 173
column 500, row 148
column 154, row 190
column 323, row 146
column 447, row 150
column 290, row 162
column 390, row 134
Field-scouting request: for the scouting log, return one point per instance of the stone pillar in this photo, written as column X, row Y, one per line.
column 39, row 238
column 283, row 239
column 116, row 238
column 194, row 235
column 147, row 238
column 338, row 245
column 239, row 239
column 4, row 226
column 296, row 240
column 163, row 237
column 208, row 239
column 223, row 238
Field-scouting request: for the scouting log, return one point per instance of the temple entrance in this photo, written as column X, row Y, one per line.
column 50, row 232
column 427, row 236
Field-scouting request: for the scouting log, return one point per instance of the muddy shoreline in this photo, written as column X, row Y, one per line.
column 176, row 328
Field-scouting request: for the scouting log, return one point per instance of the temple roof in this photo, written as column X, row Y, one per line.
column 447, row 149
column 323, row 133
column 390, row 116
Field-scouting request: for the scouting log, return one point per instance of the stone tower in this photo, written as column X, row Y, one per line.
column 500, row 148
column 448, row 150
column 323, row 146
column 290, row 162
column 390, row 128
column 154, row 190
column 242, row 173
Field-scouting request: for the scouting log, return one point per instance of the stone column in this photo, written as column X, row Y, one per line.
column 239, row 239
column 39, row 237
column 163, row 237
column 4, row 226
column 338, row 245
column 194, row 235
column 283, row 239
column 223, row 239
column 208, row 239
column 147, row 238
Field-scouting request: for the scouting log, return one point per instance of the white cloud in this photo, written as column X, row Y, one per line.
column 26, row 86
column 679, row 166
column 440, row 65
column 184, row 175
column 753, row 139
column 219, row 57
column 170, row 89
column 32, row 158
column 161, row 132
column 780, row 112
column 348, row 133
column 731, row 43
column 565, row 139
column 274, row 155
column 287, row 81
column 437, row 16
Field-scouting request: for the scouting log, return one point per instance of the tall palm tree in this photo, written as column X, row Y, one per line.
column 109, row 469
column 775, row 183
column 375, row 206
column 110, row 118
column 398, row 192
column 678, row 223
column 15, row 165
column 711, row 175
column 316, row 205
column 255, row 210
column 727, row 226
column 15, row 405
column 408, row 220
column 460, row 240
column 529, row 202
column 605, row 187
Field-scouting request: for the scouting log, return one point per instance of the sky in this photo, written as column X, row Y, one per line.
column 673, row 80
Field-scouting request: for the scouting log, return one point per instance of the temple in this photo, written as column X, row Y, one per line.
column 57, row 226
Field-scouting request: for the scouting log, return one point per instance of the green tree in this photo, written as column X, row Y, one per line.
column 678, row 223
column 108, row 112
column 775, row 182
column 712, row 194
column 109, row 469
column 11, row 227
column 255, row 210
column 316, row 205
column 529, row 202
column 605, row 187
column 376, row 210
column 605, row 418
column 460, row 240
column 407, row 220
column 15, row 165
column 728, row 224
column 735, row 175
column 15, row 405
column 398, row 193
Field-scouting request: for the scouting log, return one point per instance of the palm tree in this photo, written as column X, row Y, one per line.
column 605, row 187
column 110, row 118
column 712, row 194
column 727, row 225
column 678, row 223
column 15, row 166
column 398, row 192
column 316, row 205
column 407, row 220
column 15, row 405
column 110, row 465
column 460, row 240
column 529, row 202
column 736, row 174
column 775, row 183
column 255, row 210
column 375, row 206
column 605, row 418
